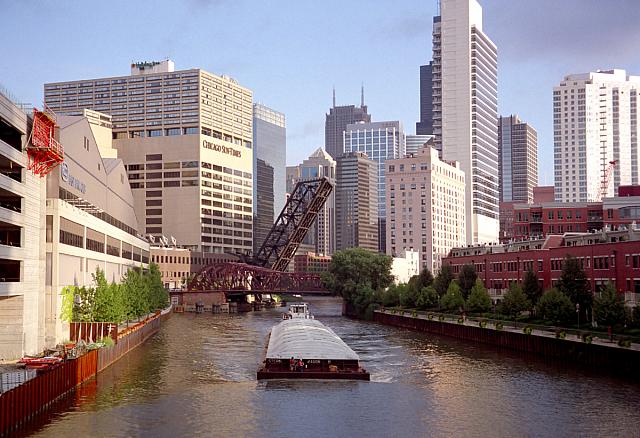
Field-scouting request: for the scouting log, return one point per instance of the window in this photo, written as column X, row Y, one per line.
column 154, row 157
column 155, row 133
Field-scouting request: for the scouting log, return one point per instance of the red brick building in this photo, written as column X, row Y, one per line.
column 311, row 262
column 605, row 256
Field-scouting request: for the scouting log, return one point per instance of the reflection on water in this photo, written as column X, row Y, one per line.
column 197, row 377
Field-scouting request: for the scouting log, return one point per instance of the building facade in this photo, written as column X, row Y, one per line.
column 612, row 256
column 186, row 138
column 270, row 145
column 310, row 262
column 415, row 142
column 405, row 266
column 595, row 123
column 356, row 202
column 426, row 207
column 336, row 122
column 263, row 203
column 517, row 159
column 22, row 224
column 90, row 218
column 465, row 110
column 425, row 125
column 381, row 141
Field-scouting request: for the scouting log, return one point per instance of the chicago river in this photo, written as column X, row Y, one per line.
column 197, row 376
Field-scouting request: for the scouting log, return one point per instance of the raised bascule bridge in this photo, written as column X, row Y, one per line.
column 265, row 272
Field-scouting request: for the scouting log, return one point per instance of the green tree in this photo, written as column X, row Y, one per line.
column 407, row 295
column 514, row 301
column 135, row 294
column 424, row 279
column 608, row 308
column 427, row 297
column 443, row 279
column 109, row 302
column 84, row 302
column 452, row 300
column 68, row 295
column 531, row 287
column 573, row 283
column 479, row 299
column 159, row 297
column 555, row 306
column 391, row 297
column 467, row 279
column 635, row 316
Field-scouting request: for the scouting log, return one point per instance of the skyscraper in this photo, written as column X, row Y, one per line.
column 356, row 202
column 336, row 123
column 518, row 159
column 270, row 145
column 425, row 125
column 595, row 122
column 380, row 141
column 187, row 140
column 263, row 207
column 465, row 105
column 425, row 205
column 415, row 143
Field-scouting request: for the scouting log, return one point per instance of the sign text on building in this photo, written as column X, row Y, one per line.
column 219, row 148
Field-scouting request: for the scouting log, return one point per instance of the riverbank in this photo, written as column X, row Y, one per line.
column 25, row 402
column 593, row 352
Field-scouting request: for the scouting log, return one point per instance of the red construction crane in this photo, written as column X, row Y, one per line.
column 43, row 150
column 604, row 185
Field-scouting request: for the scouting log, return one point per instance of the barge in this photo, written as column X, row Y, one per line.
column 301, row 347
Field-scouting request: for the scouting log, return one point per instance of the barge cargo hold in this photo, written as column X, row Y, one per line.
column 300, row 338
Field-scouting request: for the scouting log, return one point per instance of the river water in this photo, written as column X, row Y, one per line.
column 196, row 377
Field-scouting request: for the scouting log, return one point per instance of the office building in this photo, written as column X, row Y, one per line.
column 310, row 262
column 336, row 123
column 518, row 159
column 405, row 266
column 22, row 224
column 425, row 206
column 322, row 235
column 425, row 125
column 270, row 145
column 263, row 205
column 415, row 142
column 186, row 138
column 465, row 110
column 595, row 123
column 381, row 141
column 90, row 218
column 356, row 195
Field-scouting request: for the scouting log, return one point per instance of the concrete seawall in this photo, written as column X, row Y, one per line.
column 611, row 357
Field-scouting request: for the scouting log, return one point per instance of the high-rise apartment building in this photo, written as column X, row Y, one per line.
column 263, row 203
column 336, row 123
column 186, row 138
column 595, row 122
column 425, row 125
column 270, row 145
column 465, row 109
column 381, row 141
column 322, row 236
column 518, row 159
column 425, row 204
column 356, row 196
column 415, row 142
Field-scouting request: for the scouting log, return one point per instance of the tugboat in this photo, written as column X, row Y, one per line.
column 301, row 347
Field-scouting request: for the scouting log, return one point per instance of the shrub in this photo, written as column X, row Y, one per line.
column 430, row 316
column 441, row 318
column 479, row 299
column 527, row 330
column 460, row 320
column 499, row 325
column 624, row 342
column 107, row 341
column 427, row 297
column 586, row 337
column 555, row 306
column 561, row 334
column 482, row 324
column 452, row 300
column 414, row 313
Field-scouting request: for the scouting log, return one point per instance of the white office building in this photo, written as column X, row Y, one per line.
column 595, row 122
column 465, row 110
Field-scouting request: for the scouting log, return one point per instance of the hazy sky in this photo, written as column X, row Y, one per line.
column 292, row 53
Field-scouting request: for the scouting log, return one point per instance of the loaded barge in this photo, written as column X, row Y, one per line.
column 301, row 347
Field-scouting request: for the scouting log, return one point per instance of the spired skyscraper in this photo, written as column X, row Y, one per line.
column 336, row 123
column 465, row 110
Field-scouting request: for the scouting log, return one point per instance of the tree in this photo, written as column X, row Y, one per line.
column 109, row 303
column 443, row 279
column 159, row 298
column 608, row 308
column 514, row 301
column 427, row 297
column 391, row 297
column 531, row 287
column 407, row 295
column 555, row 306
column 479, row 299
column 467, row 279
column 574, row 284
column 453, row 299
column 134, row 293
column 422, row 280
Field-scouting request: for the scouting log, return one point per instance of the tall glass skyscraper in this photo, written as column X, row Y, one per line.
column 380, row 141
column 270, row 145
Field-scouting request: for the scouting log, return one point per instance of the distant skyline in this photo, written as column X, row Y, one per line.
column 292, row 57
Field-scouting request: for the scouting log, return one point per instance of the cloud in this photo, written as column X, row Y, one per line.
column 406, row 27
column 310, row 129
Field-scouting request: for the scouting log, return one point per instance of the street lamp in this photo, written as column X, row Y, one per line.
column 578, row 312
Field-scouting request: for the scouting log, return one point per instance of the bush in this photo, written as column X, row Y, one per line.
column 441, row 318
column 624, row 342
column 527, row 330
column 561, row 334
column 555, row 306
column 460, row 320
column 452, row 300
column 479, row 299
column 499, row 325
column 107, row 341
column 391, row 297
column 482, row 324
column 586, row 337
column 427, row 297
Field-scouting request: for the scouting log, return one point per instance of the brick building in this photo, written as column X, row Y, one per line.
column 311, row 262
column 605, row 256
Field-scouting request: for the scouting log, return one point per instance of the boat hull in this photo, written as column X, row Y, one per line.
column 328, row 375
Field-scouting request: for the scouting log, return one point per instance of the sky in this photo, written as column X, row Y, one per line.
column 292, row 53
